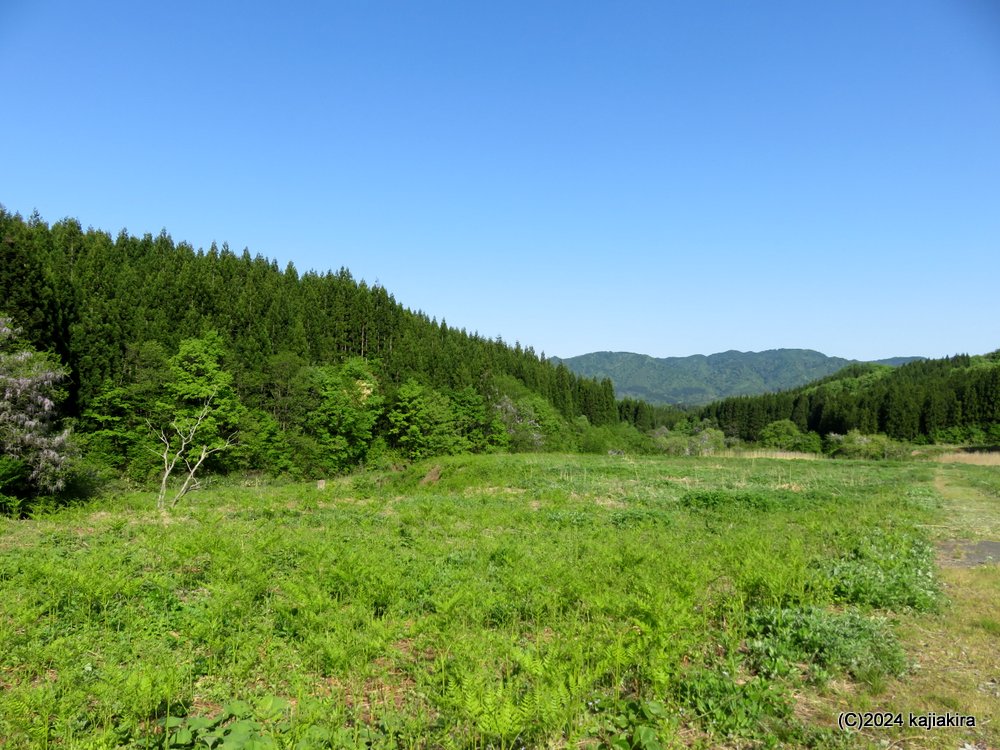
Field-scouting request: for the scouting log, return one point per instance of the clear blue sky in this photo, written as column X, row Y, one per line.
column 660, row 177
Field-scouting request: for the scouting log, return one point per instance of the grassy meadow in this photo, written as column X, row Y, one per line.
column 508, row 601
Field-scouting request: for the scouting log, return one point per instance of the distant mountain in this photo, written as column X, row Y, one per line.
column 701, row 379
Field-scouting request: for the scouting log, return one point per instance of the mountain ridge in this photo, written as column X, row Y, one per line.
column 699, row 379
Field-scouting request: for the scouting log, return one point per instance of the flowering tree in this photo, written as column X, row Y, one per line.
column 33, row 450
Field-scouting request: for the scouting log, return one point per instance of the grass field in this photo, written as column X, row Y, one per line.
column 494, row 601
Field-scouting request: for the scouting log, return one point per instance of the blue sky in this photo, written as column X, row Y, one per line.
column 661, row 177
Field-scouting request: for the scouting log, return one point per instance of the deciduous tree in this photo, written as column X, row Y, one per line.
column 33, row 447
column 198, row 416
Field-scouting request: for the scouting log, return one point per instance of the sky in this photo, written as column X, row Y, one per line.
column 671, row 177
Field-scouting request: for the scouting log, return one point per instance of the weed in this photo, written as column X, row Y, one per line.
column 730, row 707
column 633, row 724
column 819, row 642
column 885, row 569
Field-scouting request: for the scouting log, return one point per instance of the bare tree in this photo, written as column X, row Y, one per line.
column 180, row 444
column 197, row 416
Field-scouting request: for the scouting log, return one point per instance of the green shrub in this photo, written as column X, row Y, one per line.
column 779, row 640
column 871, row 447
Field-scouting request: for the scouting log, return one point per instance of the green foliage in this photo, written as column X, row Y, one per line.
column 690, row 439
column 822, row 642
column 728, row 499
column 28, row 289
column 632, row 724
column 646, row 417
column 198, row 412
column 477, row 423
column 885, row 569
column 459, row 601
column 619, row 439
column 531, row 422
column 14, row 484
column 115, row 430
column 785, row 435
column 809, row 442
column 239, row 726
column 918, row 401
column 340, row 407
column 264, row 446
column 113, row 307
column 196, row 378
column 872, row 447
column 725, row 706
column 422, row 423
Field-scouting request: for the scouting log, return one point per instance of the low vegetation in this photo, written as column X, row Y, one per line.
column 491, row 601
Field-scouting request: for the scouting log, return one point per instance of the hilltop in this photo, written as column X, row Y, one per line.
column 700, row 379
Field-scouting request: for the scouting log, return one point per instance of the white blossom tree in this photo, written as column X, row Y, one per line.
column 33, row 448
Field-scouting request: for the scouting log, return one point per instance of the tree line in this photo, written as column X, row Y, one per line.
column 316, row 372
column 955, row 399
column 167, row 361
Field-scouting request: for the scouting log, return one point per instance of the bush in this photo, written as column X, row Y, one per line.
column 700, row 440
column 856, row 445
column 620, row 438
column 533, row 424
column 785, row 435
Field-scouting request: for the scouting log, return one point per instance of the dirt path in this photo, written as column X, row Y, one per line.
column 956, row 652
column 958, row 649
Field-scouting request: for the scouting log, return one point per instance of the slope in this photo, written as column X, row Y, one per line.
column 699, row 379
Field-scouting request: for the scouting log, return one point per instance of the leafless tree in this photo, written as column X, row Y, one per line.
column 179, row 445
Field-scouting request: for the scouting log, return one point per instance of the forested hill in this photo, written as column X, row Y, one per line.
column 701, row 379
column 946, row 400
column 117, row 311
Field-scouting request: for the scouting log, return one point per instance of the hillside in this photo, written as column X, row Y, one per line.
column 956, row 399
column 701, row 379
column 284, row 373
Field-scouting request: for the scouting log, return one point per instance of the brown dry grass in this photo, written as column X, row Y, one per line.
column 976, row 459
column 432, row 476
column 609, row 502
column 786, row 455
column 955, row 661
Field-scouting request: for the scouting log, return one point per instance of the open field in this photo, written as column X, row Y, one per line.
column 507, row 601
